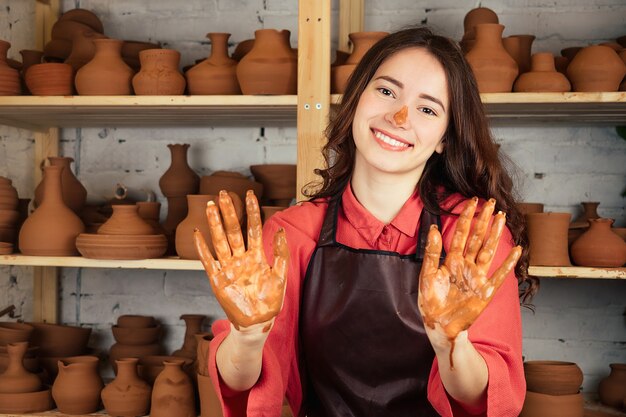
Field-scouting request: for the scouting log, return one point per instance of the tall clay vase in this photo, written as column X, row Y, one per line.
column 9, row 77
column 209, row 401
column 173, row 392
column 590, row 211
column 493, row 67
column 159, row 74
column 612, row 389
column 519, row 47
column 74, row 193
column 599, row 246
column 106, row 74
column 193, row 324
column 179, row 180
column 196, row 219
column 127, row 395
column 218, row 73
column 547, row 233
column 542, row 77
column 16, row 379
column 270, row 67
column 77, row 388
column 52, row 228
column 596, row 68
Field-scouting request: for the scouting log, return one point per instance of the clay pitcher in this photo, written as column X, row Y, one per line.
column 599, row 246
column 596, row 68
column 547, row 235
column 106, row 74
column 16, row 379
column 9, row 77
column 74, row 193
column 173, row 393
column 270, row 67
column 612, row 389
column 542, row 77
column 51, row 230
column 217, row 74
column 159, row 74
column 76, row 390
column 493, row 67
column 128, row 395
column 193, row 324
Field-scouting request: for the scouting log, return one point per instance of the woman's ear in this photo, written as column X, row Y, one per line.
column 440, row 146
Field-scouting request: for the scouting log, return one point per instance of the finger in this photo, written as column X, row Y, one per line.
column 461, row 231
column 488, row 251
column 209, row 263
column 231, row 223
column 430, row 267
column 218, row 236
column 255, row 226
column 499, row 276
column 476, row 238
column 281, row 255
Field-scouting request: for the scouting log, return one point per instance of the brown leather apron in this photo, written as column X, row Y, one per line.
column 365, row 352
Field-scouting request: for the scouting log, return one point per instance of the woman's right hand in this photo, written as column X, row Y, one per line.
column 248, row 289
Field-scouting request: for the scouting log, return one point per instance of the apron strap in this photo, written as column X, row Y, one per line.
column 329, row 227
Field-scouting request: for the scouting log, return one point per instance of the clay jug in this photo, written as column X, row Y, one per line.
column 9, row 77
column 596, row 68
column 590, row 211
column 76, row 390
column 547, row 235
column 217, row 74
column 125, row 220
column 128, row 395
column 74, row 193
column 475, row 17
column 193, row 324
column 612, row 389
column 179, row 180
column 493, row 67
column 16, row 379
column 159, row 74
column 543, row 76
column 106, row 74
column 519, row 47
column 599, row 246
column 51, row 230
column 270, row 67
column 83, row 48
column 173, row 393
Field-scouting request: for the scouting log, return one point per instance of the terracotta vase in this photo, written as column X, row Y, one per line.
column 542, row 77
column 125, row 220
column 217, row 74
column 270, row 67
column 173, row 392
column 74, row 193
column 612, row 389
column 590, row 211
column 53, row 227
column 106, row 74
column 519, row 48
column 83, row 48
column 599, row 246
column 76, row 390
column 201, row 364
column 596, row 68
column 475, row 17
column 193, row 324
column 553, row 377
column 493, row 67
column 537, row 404
column 128, row 395
column 159, row 74
column 9, row 77
column 547, row 234
column 279, row 183
column 179, row 180
column 50, row 79
column 16, row 378
column 151, row 366
column 210, row 405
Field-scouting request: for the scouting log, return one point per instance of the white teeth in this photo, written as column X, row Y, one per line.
column 389, row 140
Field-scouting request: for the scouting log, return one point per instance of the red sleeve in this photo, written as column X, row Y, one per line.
column 497, row 336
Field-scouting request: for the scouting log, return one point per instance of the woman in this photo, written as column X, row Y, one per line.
column 408, row 150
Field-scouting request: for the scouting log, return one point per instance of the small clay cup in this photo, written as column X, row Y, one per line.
column 50, row 79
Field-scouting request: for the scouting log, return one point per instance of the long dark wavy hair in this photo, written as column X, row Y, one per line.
column 470, row 163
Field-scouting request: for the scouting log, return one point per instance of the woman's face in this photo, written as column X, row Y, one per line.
column 402, row 115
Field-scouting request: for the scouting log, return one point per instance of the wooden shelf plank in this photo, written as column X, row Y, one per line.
column 577, row 272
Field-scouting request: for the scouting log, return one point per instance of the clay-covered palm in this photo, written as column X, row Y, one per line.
column 455, row 293
column 248, row 289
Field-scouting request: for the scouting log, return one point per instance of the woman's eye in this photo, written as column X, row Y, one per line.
column 385, row 91
column 427, row 111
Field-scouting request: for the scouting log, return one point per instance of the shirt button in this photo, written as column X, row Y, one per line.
column 385, row 230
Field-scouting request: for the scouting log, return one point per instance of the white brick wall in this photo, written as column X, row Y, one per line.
column 576, row 320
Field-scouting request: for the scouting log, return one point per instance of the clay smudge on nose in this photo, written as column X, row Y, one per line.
column 401, row 115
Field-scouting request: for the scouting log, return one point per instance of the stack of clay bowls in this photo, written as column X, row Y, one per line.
column 136, row 337
column 9, row 215
column 553, row 389
column 69, row 25
column 124, row 236
column 279, row 183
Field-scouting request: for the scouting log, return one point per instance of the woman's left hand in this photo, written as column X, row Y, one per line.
column 454, row 294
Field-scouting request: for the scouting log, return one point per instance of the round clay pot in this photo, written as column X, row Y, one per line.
column 50, row 79
column 98, row 246
column 83, row 48
column 179, row 180
column 136, row 335
column 475, row 17
column 135, row 321
column 553, row 377
column 173, row 392
column 279, row 182
column 28, row 402
column 74, row 193
column 76, row 390
column 216, row 74
column 125, row 220
column 596, row 68
column 230, row 181
column 519, row 47
column 599, row 246
column 16, row 378
column 106, row 74
column 127, row 395
column 151, row 366
column 159, row 74
column 547, row 234
column 590, row 211
column 493, row 67
column 193, row 324
column 537, row 404
column 361, row 43
column 57, row 340
column 612, row 389
column 9, row 77
column 543, row 76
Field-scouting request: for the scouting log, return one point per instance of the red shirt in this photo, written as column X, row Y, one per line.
column 496, row 334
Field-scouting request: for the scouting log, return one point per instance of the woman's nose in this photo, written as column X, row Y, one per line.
column 401, row 116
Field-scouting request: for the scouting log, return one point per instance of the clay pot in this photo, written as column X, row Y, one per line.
column 596, row 68
column 599, row 246
column 52, row 228
column 50, row 79
column 74, row 193
column 150, row 211
column 230, row 181
column 83, row 48
column 216, row 74
column 11, row 332
column 16, row 379
column 612, row 389
column 279, row 183
column 98, row 246
column 590, row 211
column 28, row 402
column 362, row 42
column 210, row 405
column 136, row 335
column 135, row 321
column 159, row 74
column 193, row 324
column 270, row 67
column 547, row 234
column 527, row 208
column 173, row 393
column 537, row 404
column 9, row 77
column 76, row 390
column 475, row 17
column 128, row 395
column 570, row 52
column 543, row 76
column 519, row 48
column 151, row 366
column 57, row 340
column 493, row 67
column 553, row 377
column 201, row 364
column 106, row 74
column 125, row 220
column 179, row 180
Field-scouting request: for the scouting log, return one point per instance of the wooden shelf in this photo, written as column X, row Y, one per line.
column 577, row 272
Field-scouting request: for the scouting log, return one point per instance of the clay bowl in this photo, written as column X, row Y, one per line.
column 6, row 248
column 9, row 218
column 230, row 181
column 537, row 404
column 50, row 79
column 11, row 332
column 97, row 246
column 279, row 180
column 29, row 402
column 60, row 340
column 150, row 366
column 135, row 321
column 553, row 377
column 136, row 336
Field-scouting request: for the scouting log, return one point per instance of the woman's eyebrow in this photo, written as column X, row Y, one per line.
column 434, row 100
column 399, row 84
column 391, row 80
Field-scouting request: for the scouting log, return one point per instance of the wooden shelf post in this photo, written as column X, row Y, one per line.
column 351, row 17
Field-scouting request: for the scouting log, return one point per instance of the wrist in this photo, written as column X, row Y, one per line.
column 250, row 339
